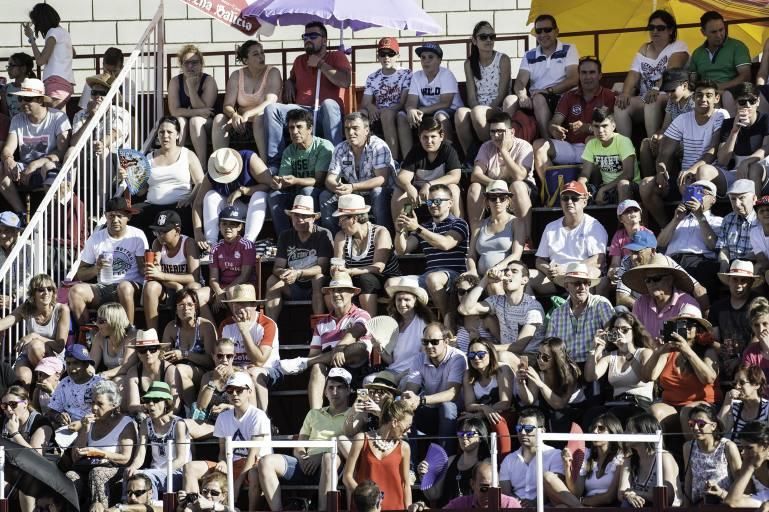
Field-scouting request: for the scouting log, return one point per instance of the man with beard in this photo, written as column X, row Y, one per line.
column 334, row 72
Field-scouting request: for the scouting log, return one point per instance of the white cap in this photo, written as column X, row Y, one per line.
column 340, row 373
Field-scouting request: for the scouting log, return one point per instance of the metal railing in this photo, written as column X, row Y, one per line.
column 74, row 203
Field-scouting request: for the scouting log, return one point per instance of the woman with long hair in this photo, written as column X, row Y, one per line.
column 46, row 322
column 110, row 346
column 20, row 66
column 486, row 387
column 744, row 402
column 384, row 457
column 55, row 56
column 249, row 90
column 487, row 78
column 751, row 484
column 191, row 99
column 663, row 51
column 366, row 412
column 639, row 471
column 151, row 367
column 709, row 458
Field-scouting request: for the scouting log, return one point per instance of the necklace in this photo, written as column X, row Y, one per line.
column 384, row 445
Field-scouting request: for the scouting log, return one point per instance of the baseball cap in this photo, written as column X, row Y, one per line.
column 742, row 186
column 575, row 186
column 706, row 184
column 166, row 221
column 240, row 380
column 627, row 203
column 234, row 213
column 80, row 353
column 671, row 78
column 340, row 373
column 430, row 47
column 642, row 240
column 763, row 201
column 50, row 365
column 11, row 220
column 388, row 43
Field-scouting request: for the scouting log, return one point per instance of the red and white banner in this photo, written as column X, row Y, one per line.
column 228, row 11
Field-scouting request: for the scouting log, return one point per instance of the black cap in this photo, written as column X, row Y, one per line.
column 166, row 221
column 120, row 204
column 672, row 78
column 430, row 47
column 236, row 213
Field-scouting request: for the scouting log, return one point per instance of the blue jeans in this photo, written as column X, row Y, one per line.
column 378, row 198
column 329, row 122
column 280, row 200
column 158, row 479
column 426, row 419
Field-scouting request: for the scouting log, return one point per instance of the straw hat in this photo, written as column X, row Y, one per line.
column 303, row 205
column 341, row 280
column 225, row 165
column 241, row 293
column 409, row 285
column 386, row 380
column 351, row 204
column 32, row 88
column 498, row 187
column 147, row 338
column 741, row 268
column 578, row 271
column 693, row 313
column 634, row 278
column 102, row 79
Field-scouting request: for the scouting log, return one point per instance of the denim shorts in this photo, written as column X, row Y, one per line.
column 453, row 275
column 295, row 475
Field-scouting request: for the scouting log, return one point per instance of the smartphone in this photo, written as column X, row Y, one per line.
column 408, row 208
column 524, row 364
column 668, row 328
column 682, row 328
column 362, row 394
column 339, row 179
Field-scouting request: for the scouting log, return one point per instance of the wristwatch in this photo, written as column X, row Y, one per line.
column 422, row 401
column 418, row 230
column 549, row 90
column 185, row 353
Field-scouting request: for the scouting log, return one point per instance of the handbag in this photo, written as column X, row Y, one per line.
column 556, row 177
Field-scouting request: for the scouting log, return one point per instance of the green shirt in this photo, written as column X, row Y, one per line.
column 608, row 159
column 306, row 163
column 720, row 66
column 320, row 425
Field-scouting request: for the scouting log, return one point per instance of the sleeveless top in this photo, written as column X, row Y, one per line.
column 158, row 443
column 110, row 442
column 197, row 344
column 353, row 260
column 386, row 472
column 708, row 467
column 628, row 381
column 184, row 98
column 739, row 422
column 250, row 100
column 493, row 247
column 168, row 184
column 46, row 330
column 488, row 394
column 682, row 388
column 651, row 480
column 108, row 359
column 139, row 371
column 244, row 180
column 761, row 490
column 487, row 88
column 176, row 264
column 34, row 422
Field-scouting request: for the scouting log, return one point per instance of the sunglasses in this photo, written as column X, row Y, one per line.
column 544, row 357
column 462, row 291
column 496, row 197
column 623, row 330
column 98, row 92
column 656, row 28
column 43, row 289
column 653, row 279
column 483, row 488
column 139, row 493
column 487, row 37
column 210, row 492
column 431, row 341
column 437, row 201
column 151, row 400
column 225, row 356
column 466, row 434
column 546, row 30
column 11, row 404
column 232, row 390
column 698, row 423
column 386, row 53
column 477, row 355
column 743, row 102
column 570, row 198
column 311, row 35
column 28, row 99
column 151, row 350
column 524, row 428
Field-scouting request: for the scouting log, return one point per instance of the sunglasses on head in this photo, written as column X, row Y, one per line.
column 546, row 30
column 744, row 102
column 138, row 493
column 698, row 423
column 487, row 37
column 477, row 355
column 656, row 28
column 466, row 434
column 524, row 428
column 653, row 279
column 431, row 341
column 386, row 53
column 210, row 492
column 437, row 201
column 144, row 350
column 311, row 35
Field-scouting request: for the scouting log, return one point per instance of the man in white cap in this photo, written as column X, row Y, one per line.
column 309, row 465
column 244, row 422
column 40, row 135
column 301, row 261
column 340, row 339
column 734, row 235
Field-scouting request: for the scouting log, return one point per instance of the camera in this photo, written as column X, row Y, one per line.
column 611, row 336
column 679, row 326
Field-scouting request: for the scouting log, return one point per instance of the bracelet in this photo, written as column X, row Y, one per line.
column 31, row 40
column 211, row 386
column 12, row 435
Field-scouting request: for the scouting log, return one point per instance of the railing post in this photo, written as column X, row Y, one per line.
column 169, row 498
column 332, row 496
column 660, row 491
column 230, row 482
column 159, row 56
column 493, row 454
column 540, row 472
column 3, row 499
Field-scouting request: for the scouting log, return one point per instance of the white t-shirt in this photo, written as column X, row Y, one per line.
column 546, row 72
column 429, row 93
column 594, row 485
column 758, row 240
column 38, row 140
column 408, row 345
column 253, row 423
column 693, row 137
column 651, row 69
column 124, row 252
column 512, row 317
column 523, row 476
column 60, row 62
column 387, row 89
column 564, row 246
column 72, row 398
column 687, row 237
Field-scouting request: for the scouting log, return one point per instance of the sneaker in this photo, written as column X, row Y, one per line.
column 205, row 258
column 293, row 366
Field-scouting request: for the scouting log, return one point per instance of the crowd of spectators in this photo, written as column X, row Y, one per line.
column 165, row 334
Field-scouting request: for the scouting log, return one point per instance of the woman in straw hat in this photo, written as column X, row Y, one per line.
column 367, row 250
column 151, row 367
column 366, row 411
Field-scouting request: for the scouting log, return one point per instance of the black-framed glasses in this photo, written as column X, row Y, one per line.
column 28, row 99
column 43, row 289
column 137, row 493
column 311, row 35
column 386, row 53
column 467, row 434
column 145, row 350
column 544, row 357
column 487, row 37
column 654, row 279
column 462, row 291
column 437, row 201
column 525, row 428
column 477, row 355
column 10, row 404
column 222, row 357
column 546, row 30
column 210, row 492
column 431, row 341
column 651, row 27
column 570, row 198
column 98, row 92
column 744, row 102
column 497, row 197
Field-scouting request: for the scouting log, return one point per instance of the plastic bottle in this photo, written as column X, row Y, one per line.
column 105, row 273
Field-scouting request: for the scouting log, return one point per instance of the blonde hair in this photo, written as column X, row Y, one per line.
column 189, row 48
column 117, row 319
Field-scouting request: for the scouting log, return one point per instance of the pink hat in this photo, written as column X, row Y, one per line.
column 50, row 365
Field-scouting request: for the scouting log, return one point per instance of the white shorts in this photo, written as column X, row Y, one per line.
column 566, row 152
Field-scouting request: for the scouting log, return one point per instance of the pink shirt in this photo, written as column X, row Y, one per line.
column 752, row 356
column 620, row 240
column 494, row 166
column 646, row 310
column 330, row 330
column 229, row 259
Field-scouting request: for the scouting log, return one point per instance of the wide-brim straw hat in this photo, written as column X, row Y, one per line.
column 351, row 204
column 408, row 285
column 32, row 88
column 741, row 268
column 303, row 205
column 634, row 278
column 692, row 313
column 386, row 380
column 225, row 165
column 146, row 338
column 578, row 271
column 341, row 280
column 102, row 79
column 242, row 293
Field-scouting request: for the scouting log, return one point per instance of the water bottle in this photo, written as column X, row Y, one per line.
column 105, row 273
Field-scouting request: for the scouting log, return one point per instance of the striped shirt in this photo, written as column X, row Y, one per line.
column 330, row 330
column 578, row 331
column 695, row 138
column 453, row 259
column 739, row 423
column 264, row 333
column 366, row 259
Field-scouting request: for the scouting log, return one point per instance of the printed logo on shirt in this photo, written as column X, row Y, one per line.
column 576, row 110
column 301, row 257
column 122, row 261
column 236, row 255
column 431, row 91
column 241, row 452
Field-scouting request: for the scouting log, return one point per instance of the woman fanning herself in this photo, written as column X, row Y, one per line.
column 46, row 322
column 384, row 457
column 744, row 402
column 710, row 458
column 487, row 386
column 109, row 348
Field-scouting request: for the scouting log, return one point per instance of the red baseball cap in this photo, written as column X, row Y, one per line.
column 575, row 186
column 389, row 43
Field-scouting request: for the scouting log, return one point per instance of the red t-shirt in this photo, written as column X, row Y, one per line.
column 305, row 79
column 573, row 107
column 229, row 259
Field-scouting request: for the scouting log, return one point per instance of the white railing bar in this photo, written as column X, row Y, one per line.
column 493, row 456
column 170, row 467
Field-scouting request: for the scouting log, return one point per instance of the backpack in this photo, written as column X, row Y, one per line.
column 556, row 177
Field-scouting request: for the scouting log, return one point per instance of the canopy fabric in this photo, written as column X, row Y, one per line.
column 616, row 51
